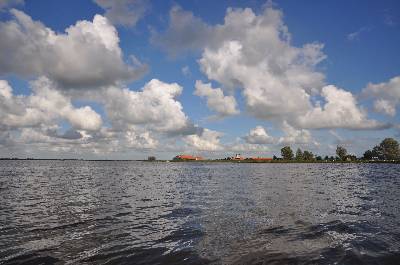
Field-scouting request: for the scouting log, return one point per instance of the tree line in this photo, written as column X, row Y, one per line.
column 387, row 150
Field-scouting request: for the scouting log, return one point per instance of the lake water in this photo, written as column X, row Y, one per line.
column 86, row 212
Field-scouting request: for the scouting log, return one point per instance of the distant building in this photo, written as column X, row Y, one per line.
column 237, row 157
column 188, row 158
column 151, row 158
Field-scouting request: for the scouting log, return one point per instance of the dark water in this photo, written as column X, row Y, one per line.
column 79, row 212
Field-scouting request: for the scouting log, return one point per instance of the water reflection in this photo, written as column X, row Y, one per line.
column 72, row 212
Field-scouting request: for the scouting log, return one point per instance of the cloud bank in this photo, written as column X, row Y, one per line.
column 87, row 55
column 124, row 12
column 82, row 98
column 253, row 53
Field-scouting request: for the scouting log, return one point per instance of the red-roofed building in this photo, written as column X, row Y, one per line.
column 237, row 157
column 261, row 159
column 188, row 157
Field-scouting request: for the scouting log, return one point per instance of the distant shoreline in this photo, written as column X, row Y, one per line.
column 208, row 161
column 288, row 162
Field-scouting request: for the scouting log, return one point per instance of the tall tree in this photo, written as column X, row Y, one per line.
column 299, row 154
column 377, row 152
column 287, row 153
column 308, row 156
column 341, row 152
column 390, row 149
column 368, row 155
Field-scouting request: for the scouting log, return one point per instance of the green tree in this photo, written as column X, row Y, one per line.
column 319, row 158
column 308, row 156
column 287, row 153
column 377, row 152
column 351, row 158
column 390, row 149
column 341, row 152
column 299, row 155
column 368, row 155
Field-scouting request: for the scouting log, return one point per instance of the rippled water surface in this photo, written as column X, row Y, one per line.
column 85, row 212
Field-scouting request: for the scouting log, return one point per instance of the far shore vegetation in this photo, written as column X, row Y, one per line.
column 387, row 151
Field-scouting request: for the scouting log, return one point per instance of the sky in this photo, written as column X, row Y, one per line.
column 127, row 79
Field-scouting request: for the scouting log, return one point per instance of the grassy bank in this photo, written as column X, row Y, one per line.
column 284, row 161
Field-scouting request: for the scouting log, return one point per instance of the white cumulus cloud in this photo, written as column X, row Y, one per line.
column 258, row 135
column 340, row 111
column 142, row 140
column 44, row 106
column 155, row 106
column 134, row 120
column 86, row 55
column 124, row 12
column 207, row 140
column 185, row 33
column 8, row 3
column 295, row 136
column 254, row 53
column 216, row 100
column 386, row 94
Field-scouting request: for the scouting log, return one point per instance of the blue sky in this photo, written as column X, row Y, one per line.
column 344, row 53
